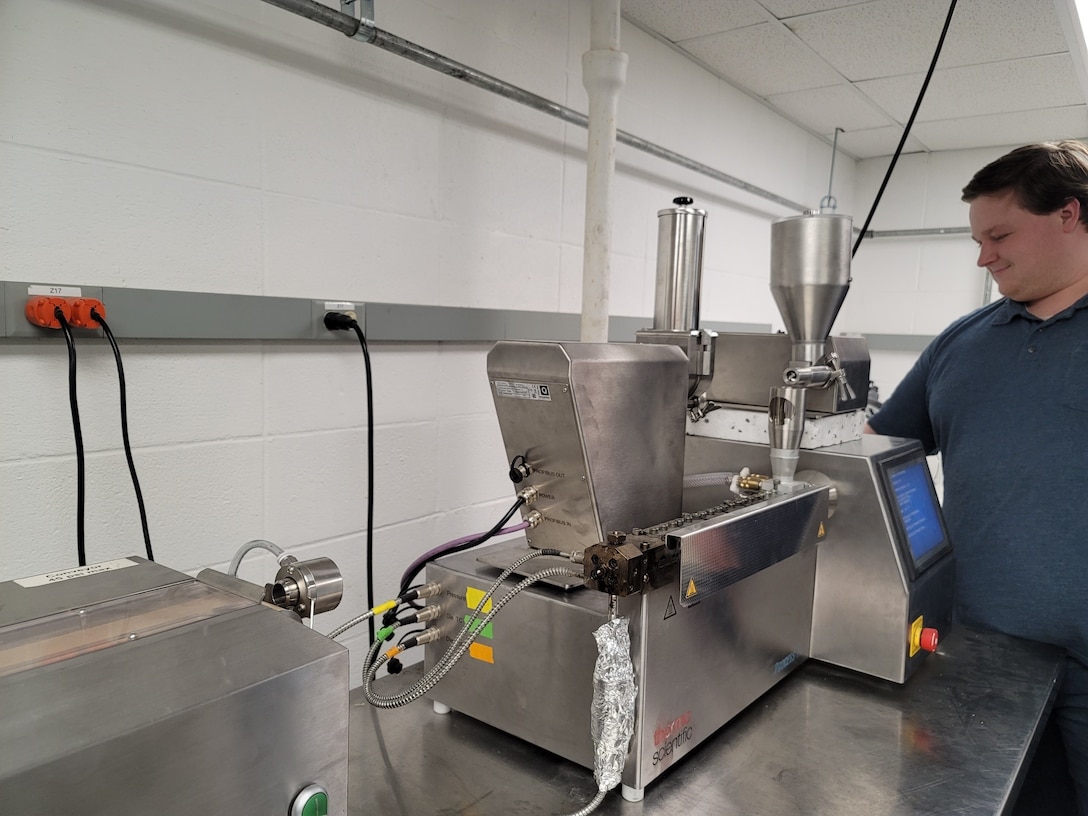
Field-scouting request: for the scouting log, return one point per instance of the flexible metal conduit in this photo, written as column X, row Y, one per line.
column 367, row 32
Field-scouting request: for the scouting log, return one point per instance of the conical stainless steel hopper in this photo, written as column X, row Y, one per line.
column 810, row 275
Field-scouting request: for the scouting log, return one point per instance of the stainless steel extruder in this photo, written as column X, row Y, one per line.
column 128, row 687
column 643, row 461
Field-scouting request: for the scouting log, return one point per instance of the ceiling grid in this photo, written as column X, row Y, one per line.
column 1006, row 74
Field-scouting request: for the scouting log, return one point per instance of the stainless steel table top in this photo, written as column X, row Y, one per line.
column 953, row 740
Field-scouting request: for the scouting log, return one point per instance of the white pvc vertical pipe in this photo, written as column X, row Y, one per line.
column 604, row 71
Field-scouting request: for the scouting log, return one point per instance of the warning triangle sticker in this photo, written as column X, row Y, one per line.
column 691, row 589
column 670, row 609
column 821, row 532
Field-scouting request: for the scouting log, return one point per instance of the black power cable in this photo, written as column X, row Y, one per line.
column 906, row 130
column 338, row 321
column 369, row 474
column 124, row 429
column 408, row 577
column 81, row 541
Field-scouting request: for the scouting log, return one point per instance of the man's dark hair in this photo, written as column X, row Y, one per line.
column 1043, row 177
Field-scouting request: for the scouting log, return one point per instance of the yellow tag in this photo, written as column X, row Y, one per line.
column 691, row 589
column 821, row 532
column 473, row 596
column 916, row 636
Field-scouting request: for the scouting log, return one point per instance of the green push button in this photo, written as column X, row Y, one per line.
column 317, row 806
column 313, row 800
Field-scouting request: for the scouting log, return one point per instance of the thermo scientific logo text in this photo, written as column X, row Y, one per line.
column 670, row 737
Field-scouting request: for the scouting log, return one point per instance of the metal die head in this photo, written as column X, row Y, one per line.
column 628, row 564
column 315, row 586
column 616, row 569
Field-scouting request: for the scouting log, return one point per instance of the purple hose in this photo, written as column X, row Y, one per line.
column 457, row 542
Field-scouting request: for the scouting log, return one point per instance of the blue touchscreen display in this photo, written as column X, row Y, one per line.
column 917, row 509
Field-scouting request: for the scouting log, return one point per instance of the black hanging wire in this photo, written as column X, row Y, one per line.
column 369, row 476
column 906, row 130
column 81, row 541
column 124, row 430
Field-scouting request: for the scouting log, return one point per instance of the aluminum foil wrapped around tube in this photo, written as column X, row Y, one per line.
column 613, row 714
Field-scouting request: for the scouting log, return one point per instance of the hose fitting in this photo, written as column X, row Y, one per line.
column 428, row 590
column 427, row 613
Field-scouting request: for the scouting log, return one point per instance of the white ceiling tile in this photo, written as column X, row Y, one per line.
column 1001, row 58
column 683, row 19
column 877, row 39
column 977, row 90
column 1020, row 127
column 762, row 59
column 822, row 110
column 987, row 30
column 793, row 8
column 868, row 144
column 891, row 37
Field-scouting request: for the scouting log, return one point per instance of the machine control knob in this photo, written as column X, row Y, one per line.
column 683, row 201
column 929, row 639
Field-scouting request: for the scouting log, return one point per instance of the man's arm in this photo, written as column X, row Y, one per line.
column 906, row 412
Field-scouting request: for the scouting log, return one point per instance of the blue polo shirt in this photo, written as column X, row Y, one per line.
column 1003, row 396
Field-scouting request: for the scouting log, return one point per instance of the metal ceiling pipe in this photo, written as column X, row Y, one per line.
column 344, row 23
column 366, row 31
column 918, row 233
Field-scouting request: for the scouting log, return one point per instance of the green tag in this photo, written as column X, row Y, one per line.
column 488, row 631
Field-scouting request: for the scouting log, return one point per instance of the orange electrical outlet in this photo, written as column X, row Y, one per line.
column 41, row 310
column 81, row 312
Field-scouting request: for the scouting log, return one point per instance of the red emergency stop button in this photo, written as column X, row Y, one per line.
column 929, row 639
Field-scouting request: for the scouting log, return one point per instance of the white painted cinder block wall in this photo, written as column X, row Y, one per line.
column 914, row 286
column 228, row 146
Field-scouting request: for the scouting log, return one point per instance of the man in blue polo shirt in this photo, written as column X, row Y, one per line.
column 1003, row 395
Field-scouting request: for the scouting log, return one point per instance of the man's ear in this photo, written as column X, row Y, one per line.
column 1070, row 215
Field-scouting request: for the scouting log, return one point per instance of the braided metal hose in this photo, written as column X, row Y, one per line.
column 457, row 649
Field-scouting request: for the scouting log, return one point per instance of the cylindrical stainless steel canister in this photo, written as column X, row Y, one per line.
column 679, row 266
column 810, row 275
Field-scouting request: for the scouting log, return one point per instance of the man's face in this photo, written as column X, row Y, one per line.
column 1024, row 253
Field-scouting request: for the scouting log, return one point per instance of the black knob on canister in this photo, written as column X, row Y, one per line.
column 519, row 470
column 683, row 201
